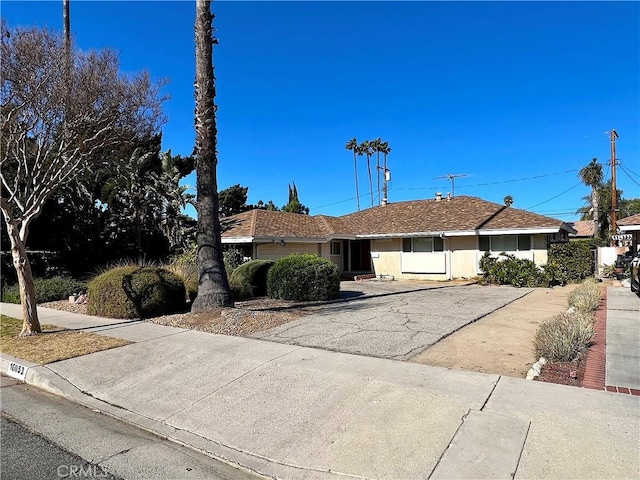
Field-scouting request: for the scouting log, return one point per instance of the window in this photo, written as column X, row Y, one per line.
column 335, row 248
column 504, row 243
column 422, row 244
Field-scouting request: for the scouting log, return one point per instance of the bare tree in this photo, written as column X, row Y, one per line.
column 47, row 142
column 213, row 286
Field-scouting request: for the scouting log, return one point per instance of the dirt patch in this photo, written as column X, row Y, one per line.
column 500, row 343
column 53, row 344
column 564, row 373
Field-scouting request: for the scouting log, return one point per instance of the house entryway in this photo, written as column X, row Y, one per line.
column 356, row 258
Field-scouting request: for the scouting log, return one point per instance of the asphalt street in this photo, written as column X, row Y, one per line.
column 48, row 437
column 25, row 455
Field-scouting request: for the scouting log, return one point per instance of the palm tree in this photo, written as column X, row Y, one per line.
column 591, row 176
column 508, row 200
column 376, row 147
column 365, row 149
column 385, row 150
column 352, row 145
column 213, row 286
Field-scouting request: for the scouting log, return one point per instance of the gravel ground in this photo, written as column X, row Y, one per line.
column 246, row 318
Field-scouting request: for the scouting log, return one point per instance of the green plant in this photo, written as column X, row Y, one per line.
column 136, row 292
column 574, row 260
column 509, row 270
column 233, row 258
column 564, row 337
column 304, row 278
column 188, row 273
column 586, row 297
column 47, row 290
column 250, row 279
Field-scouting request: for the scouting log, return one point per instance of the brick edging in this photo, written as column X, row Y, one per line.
column 594, row 373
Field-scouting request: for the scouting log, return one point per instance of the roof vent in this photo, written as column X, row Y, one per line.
column 448, row 196
column 438, row 196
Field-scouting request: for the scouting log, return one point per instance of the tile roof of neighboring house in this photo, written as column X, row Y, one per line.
column 632, row 220
column 460, row 214
column 585, row 228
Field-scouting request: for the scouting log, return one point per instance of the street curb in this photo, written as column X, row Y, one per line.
column 43, row 378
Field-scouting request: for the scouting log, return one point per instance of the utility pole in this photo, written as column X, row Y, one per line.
column 614, row 190
column 453, row 181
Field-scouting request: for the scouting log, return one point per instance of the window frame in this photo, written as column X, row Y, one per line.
column 332, row 248
column 436, row 244
column 519, row 239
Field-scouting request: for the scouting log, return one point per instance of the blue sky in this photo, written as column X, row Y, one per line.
column 499, row 91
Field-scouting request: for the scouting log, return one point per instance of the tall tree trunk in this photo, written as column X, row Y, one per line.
column 213, row 287
column 30, row 322
column 355, row 168
column 596, row 219
column 378, row 175
column 370, row 180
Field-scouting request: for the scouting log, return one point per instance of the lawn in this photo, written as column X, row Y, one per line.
column 53, row 344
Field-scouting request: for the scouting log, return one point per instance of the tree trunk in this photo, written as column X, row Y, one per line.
column 355, row 168
column 213, row 287
column 30, row 323
column 596, row 218
column 370, row 181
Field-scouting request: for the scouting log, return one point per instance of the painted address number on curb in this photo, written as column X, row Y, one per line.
column 17, row 371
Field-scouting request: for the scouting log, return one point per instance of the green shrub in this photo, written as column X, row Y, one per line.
column 189, row 274
column 136, row 292
column 304, row 278
column 574, row 261
column 47, row 290
column 250, row 279
column 509, row 270
column 586, row 297
column 564, row 337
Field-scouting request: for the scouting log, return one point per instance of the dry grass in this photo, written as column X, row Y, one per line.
column 51, row 346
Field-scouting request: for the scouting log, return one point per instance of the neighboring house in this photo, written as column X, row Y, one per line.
column 584, row 230
column 631, row 226
column 436, row 239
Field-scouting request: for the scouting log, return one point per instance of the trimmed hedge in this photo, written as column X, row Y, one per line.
column 136, row 292
column 250, row 279
column 304, row 278
column 47, row 290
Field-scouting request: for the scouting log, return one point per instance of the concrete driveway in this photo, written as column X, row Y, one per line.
column 394, row 320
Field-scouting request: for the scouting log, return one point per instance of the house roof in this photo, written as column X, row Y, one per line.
column 584, row 228
column 630, row 223
column 461, row 215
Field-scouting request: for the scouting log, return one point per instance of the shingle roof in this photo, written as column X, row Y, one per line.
column 460, row 214
column 266, row 223
column 632, row 220
column 585, row 228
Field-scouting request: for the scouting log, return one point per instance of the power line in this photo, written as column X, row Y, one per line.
column 494, row 183
column 554, row 197
column 625, row 171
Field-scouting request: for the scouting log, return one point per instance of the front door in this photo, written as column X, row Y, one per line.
column 360, row 256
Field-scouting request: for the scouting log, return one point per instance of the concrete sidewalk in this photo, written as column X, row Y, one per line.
column 623, row 339
column 295, row 412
